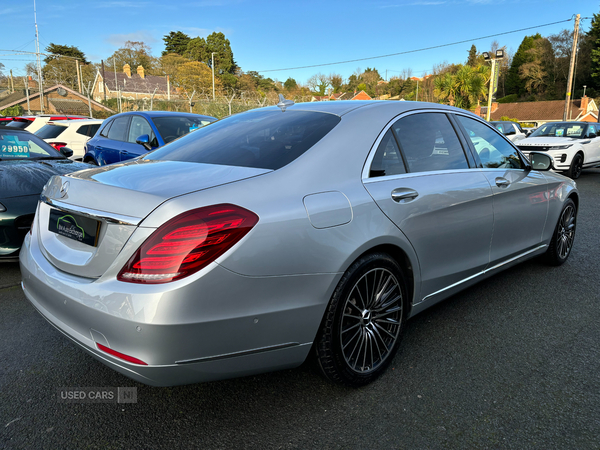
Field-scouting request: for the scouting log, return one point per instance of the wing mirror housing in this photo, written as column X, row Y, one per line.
column 144, row 140
column 66, row 151
column 540, row 161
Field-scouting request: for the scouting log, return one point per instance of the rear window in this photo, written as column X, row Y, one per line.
column 19, row 124
column 172, row 127
column 50, row 131
column 260, row 139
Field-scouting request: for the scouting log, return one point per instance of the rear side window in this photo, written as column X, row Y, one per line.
column 19, row 124
column 387, row 160
column 106, row 128
column 429, row 143
column 118, row 130
column 262, row 139
column 50, row 131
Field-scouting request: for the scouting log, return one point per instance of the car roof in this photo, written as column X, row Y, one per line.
column 162, row 114
column 73, row 122
column 341, row 107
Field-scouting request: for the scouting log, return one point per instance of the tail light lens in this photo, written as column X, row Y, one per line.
column 58, row 145
column 187, row 243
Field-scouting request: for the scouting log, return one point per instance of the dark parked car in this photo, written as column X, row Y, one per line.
column 131, row 134
column 26, row 164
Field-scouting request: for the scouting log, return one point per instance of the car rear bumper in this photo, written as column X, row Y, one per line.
column 187, row 335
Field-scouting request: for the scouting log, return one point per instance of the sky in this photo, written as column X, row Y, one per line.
column 275, row 38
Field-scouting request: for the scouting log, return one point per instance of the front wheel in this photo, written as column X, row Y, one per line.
column 364, row 321
column 576, row 167
column 564, row 235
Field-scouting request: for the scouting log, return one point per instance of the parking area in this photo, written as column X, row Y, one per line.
column 513, row 362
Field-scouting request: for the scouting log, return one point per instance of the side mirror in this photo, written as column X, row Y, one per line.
column 66, row 151
column 540, row 161
column 510, row 132
column 144, row 140
column 592, row 135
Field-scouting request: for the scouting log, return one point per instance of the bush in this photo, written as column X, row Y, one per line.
column 512, row 98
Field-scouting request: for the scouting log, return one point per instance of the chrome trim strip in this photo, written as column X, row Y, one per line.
column 483, row 272
column 92, row 213
column 242, row 353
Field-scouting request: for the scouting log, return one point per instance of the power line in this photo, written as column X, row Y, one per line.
column 418, row 50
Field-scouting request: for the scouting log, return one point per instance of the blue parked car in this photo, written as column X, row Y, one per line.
column 131, row 134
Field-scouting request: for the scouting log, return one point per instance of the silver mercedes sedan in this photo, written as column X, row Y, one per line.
column 285, row 232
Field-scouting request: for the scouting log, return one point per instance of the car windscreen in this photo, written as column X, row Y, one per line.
column 261, row 139
column 18, row 145
column 172, row 127
column 50, row 131
column 560, row 129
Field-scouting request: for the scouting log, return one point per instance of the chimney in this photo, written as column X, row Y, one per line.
column 494, row 107
column 584, row 103
column 32, row 84
column 140, row 72
column 477, row 111
column 127, row 70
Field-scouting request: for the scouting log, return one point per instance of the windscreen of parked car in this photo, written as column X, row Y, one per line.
column 25, row 146
column 172, row 127
column 560, row 129
column 50, row 131
column 260, row 139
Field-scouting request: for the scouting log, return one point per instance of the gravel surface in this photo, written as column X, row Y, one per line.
column 512, row 362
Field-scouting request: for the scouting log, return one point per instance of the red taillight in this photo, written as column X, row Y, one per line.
column 120, row 355
column 187, row 243
column 58, row 145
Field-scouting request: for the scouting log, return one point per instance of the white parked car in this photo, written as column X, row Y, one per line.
column 511, row 130
column 34, row 123
column 573, row 145
column 69, row 133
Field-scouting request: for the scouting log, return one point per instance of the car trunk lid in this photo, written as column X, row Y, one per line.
column 86, row 218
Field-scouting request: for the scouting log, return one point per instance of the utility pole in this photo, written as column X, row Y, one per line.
column 78, row 75
column 213, row 73
column 103, row 82
column 12, row 85
column 39, row 62
column 571, row 68
column 499, row 54
column 27, row 94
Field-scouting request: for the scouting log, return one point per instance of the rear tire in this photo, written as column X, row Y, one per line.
column 576, row 167
column 364, row 322
column 564, row 235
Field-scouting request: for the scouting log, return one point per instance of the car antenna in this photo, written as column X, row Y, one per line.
column 283, row 103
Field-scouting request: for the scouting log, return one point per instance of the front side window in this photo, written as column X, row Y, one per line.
column 494, row 151
column 140, row 126
column 265, row 139
column 172, row 127
column 429, row 142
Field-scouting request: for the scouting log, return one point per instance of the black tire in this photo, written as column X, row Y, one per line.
column 92, row 162
column 576, row 167
column 371, row 299
column 564, row 235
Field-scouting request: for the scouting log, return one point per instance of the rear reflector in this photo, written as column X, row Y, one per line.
column 188, row 243
column 120, row 355
column 58, row 145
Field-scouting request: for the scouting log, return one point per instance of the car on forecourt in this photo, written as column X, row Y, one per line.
column 573, row 146
column 26, row 164
column 131, row 134
column 297, row 229
column 70, row 133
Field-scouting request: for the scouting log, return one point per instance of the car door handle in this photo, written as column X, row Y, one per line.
column 404, row 195
column 502, row 182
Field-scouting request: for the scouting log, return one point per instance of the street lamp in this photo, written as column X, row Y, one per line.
column 499, row 54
